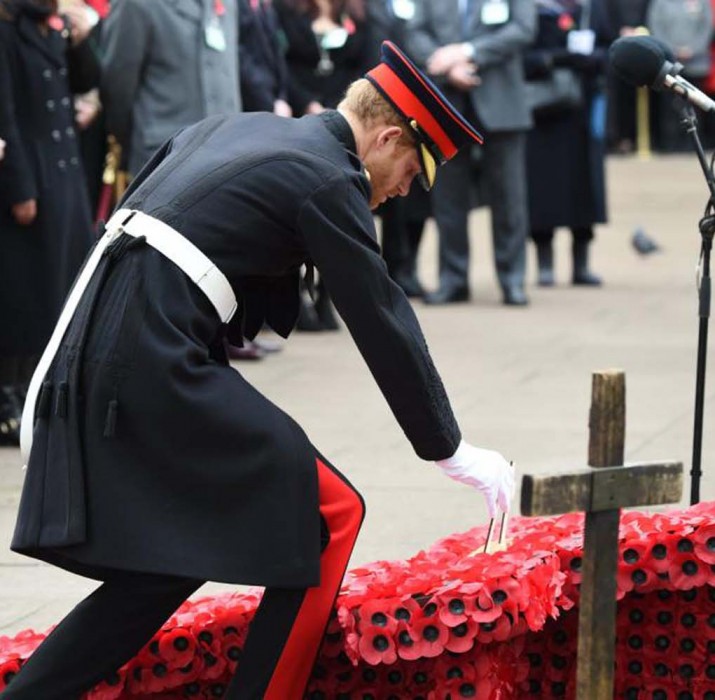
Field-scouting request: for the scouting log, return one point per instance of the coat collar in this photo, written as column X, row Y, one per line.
column 50, row 46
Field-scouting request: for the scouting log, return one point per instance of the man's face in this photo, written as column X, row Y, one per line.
column 392, row 165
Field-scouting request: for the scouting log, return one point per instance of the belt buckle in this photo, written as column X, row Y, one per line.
column 113, row 234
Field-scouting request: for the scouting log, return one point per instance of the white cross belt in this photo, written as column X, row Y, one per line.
column 182, row 252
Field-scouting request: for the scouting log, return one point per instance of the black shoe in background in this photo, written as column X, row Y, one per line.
column 325, row 311
column 308, row 320
column 249, row 351
column 514, row 295
column 447, row 295
column 410, row 286
column 10, row 414
column 586, row 278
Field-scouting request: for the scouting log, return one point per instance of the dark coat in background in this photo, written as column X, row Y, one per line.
column 152, row 454
column 566, row 147
column 264, row 72
column 38, row 76
column 348, row 62
column 626, row 13
column 159, row 73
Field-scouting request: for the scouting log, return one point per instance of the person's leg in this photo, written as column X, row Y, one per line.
column 450, row 205
column 505, row 168
column 543, row 240
column 99, row 636
column 285, row 635
column 582, row 275
column 10, row 406
column 398, row 247
column 324, row 307
column 394, row 240
column 410, row 283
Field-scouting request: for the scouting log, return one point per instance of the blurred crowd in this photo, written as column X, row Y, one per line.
column 90, row 89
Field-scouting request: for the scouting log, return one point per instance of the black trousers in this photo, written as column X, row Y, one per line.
column 111, row 625
column 504, row 168
column 546, row 236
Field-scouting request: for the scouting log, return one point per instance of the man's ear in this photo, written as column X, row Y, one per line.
column 388, row 134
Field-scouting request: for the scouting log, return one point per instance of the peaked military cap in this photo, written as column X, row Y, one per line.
column 438, row 128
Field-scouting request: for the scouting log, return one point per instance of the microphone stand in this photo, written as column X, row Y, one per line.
column 689, row 122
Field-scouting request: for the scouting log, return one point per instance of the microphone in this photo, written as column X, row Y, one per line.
column 647, row 61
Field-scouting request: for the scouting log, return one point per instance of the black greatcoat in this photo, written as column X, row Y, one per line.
column 151, row 453
column 565, row 154
column 38, row 75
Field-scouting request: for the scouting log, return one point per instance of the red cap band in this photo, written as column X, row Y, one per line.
column 407, row 103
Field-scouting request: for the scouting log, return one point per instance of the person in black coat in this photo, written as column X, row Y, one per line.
column 403, row 220
column 45, row 225
column 566, row 147
column 625, row 18
column 154, row 465
column 327, row 46
column 263, row 67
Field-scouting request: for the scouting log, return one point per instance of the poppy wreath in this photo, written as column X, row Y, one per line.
column 454, row 622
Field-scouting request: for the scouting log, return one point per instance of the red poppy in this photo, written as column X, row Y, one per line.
column 663, row 690
column 25, row 642
column 704, row 541
column 403, row 609
column 377, row 646
column 101, row 6
column 430, row 636
column 8, row 670
column 662, row 550
column 457, row 688
column 498, row 630
column 104, row 692
column 484, row 609
column 686, row 571
column 177, row 647
column 376, row 613
column 571, row 562
column 462, row 637
column 56, row 23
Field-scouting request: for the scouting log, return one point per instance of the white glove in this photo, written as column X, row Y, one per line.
column 486, row 470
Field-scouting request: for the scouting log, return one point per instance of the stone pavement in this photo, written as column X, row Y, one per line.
column 519, row 380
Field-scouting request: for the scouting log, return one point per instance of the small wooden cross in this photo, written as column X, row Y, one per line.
column 601, row 490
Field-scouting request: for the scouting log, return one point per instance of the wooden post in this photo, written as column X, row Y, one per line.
column 597, row 606
column 601, row 490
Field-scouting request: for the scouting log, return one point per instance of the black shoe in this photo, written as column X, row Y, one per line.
column 308, row 320
column 447, row 296
column 582, row 275
column 545, row 260
column 249, row 351
column 586, row 278
column 514, row 295
column 326, row 314
column 10, row 414
column 410, row 286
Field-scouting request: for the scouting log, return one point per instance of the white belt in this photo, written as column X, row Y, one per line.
column 182, row 252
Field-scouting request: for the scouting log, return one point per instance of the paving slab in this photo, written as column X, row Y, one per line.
column 519, row 381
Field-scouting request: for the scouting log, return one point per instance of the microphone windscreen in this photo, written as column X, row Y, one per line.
column 637, row 59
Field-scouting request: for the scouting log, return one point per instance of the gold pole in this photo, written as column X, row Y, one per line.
column 643, row 123
column 642, row 113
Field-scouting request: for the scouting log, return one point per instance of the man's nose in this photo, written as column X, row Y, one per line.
column 404, row 186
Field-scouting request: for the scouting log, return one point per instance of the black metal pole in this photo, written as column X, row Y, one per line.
column 707, row 229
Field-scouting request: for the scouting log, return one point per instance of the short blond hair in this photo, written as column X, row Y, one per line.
column 370, row 107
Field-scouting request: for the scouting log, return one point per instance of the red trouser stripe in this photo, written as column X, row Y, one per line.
column 342, row 511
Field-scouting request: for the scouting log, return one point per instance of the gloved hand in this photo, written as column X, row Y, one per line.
column 486, row 470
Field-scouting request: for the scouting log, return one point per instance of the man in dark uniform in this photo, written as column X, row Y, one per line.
column 153, row 465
